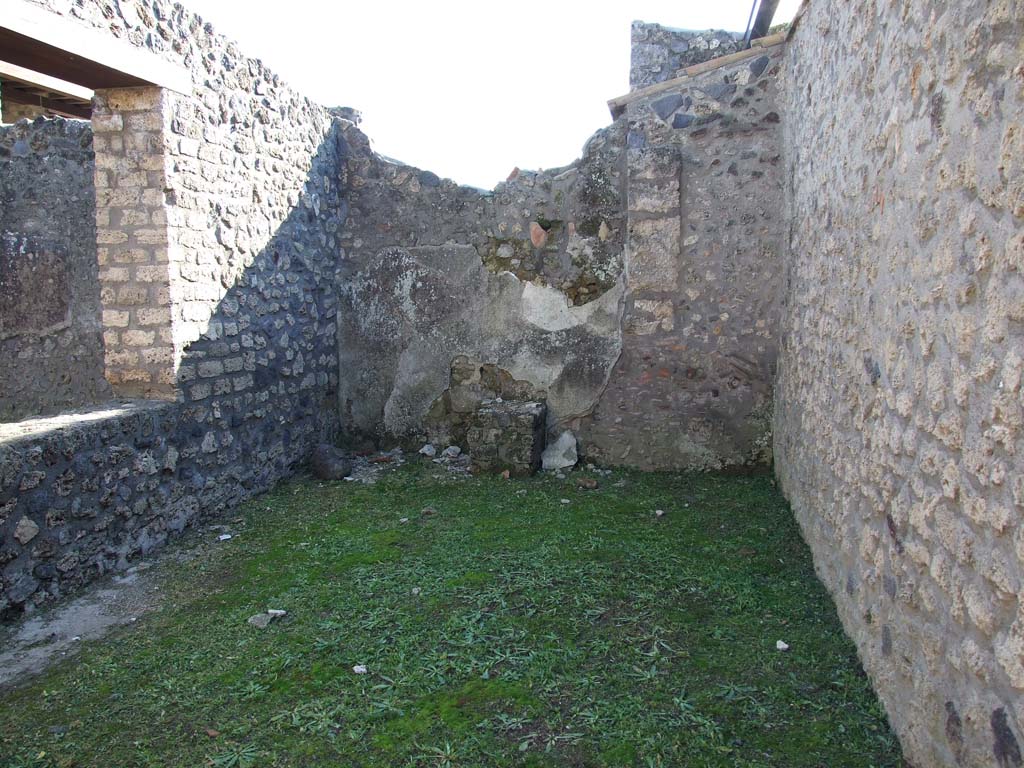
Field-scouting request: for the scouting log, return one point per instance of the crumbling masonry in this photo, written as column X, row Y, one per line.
column 807, row 255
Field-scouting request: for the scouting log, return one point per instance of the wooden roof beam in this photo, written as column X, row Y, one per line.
column 12, row 93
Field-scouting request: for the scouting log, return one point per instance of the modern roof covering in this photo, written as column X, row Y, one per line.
column 23, row 86
column 51, row 58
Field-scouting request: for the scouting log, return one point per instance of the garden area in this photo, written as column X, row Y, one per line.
column 445, row 620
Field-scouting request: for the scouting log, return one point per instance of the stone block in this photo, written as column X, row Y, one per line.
column 653, row 254
column 507, row 436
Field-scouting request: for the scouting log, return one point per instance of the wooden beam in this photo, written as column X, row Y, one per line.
column 41, row 41
column 51, row 85
column 721, row 61
column 769, row 41
column 619, row 103
column 14, row 94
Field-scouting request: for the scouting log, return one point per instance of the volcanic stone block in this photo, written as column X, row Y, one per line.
column 507, row 436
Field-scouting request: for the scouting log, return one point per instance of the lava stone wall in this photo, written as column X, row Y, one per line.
column 693, row 386
column 657, row 53
column 242, row 231
column 252, row 210
column 80, row 494
column 899, row 427
column 51, row 349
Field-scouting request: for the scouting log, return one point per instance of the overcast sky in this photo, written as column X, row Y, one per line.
column 468, row 89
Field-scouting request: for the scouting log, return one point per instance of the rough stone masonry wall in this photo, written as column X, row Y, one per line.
column 253, row 206
column 82, row 493
column 657, row 53
column 251, row 183
column 51, row 350
column 669, row 367
column 252, row 209
column 899, row 429
column 693, row 387
column 524, row 279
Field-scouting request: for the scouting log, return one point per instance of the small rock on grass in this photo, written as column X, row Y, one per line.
column 659, row 513
column 429, row 451
column 329, row 463
column 561, row 454
column 781, row 645
column 261, row 620
column 451, row 452
column 360, row 669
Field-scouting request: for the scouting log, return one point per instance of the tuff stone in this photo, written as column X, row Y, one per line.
column 329, row 463
column 25, row 530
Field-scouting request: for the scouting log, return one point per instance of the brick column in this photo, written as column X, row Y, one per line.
column 130, row 126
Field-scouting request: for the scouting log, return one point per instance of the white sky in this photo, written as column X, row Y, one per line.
column 468, row 89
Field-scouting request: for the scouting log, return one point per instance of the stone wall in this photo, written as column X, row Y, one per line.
column 80, row 494
column 51, row 350
column 10, row 112
column 221, row 246
column 655, row 345
column 526, row 279
column 657, row 53
column 200, row 187
column 693, row 387
column 899, row 424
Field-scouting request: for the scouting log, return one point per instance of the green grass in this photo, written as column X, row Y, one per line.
column 544, row 634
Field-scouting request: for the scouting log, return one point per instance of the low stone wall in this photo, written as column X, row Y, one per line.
column 82, row 493
column 51, row 348
column 899, row 423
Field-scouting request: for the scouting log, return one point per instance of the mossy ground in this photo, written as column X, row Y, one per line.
column 544, row 634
